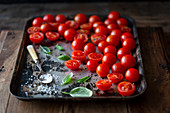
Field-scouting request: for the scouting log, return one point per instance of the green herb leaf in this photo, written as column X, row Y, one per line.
column 84, row 79
column 45, row 49
column 60, row 47
column 67, row 79
column 63, row 57
column 79, row 92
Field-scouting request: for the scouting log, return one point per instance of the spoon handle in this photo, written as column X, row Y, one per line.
column 32, row 52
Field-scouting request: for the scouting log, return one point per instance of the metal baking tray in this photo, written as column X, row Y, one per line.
column 24, row 84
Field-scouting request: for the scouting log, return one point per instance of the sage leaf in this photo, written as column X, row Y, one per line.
column 60, row 47
column 63, row 57
column 45, row 49
column 80, row 92
column 67, row 79
column 84, row 79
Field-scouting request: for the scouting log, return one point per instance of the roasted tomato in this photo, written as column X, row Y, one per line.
column 101, row 30
column 103, row 84
column 62, row 28
column 125, row 36
column 80, row 18
column 77, row 44
column 60, row 18
column 110, row 49
column 125, row 29
column 116, row 32
column 72, row 24
column 94, row 18
column 33, row 29
column 109, row 21
column 96, row 38
column 83, row 31
column 115, row 77
column 132, row 75
column 128, row 61
column 54, row 25
column 129, row 44
column 111, row 27
column 102, row 45
column 117, row 68
column 109, row 59
column 97, row 24
column 102, row 70
column 92, row 65
column 48, row 18
column 46, row 28
column 95, row 56
column 122, row 51
column 36, row 37
column 122, row 22
column 52, row 36
column 89, row 48
column 82, row 36
column 113, row 40
column 69, row 34
column 114, row 15
column 37, row 22
column 78, row 55
column 72, row 64
column 86, row 26
column 126, row 88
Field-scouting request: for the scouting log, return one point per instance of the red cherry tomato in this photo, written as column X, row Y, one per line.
column 86, row 26
column 78, row 55
column 102, row 70
column 77, row 44
column 89, row 48
column 126, row 88
column 122, row 22
column 82, row 36
column 102, row 45
column 114, row 15
column 101, row 30
column 92, row 65
column 83, row 31
column 37, row 21
column 80, row 18
column 125, row 36
column 103, row 84
column 62, row 28
column 94, row 18
column 115, row 77
column 52, row 36
column 60, row 18
column 95, row 56
column 110, row 49
column 121, row 52
column 69, row 34
column 109, row 21
column 125, row 29
column 33, row 29
column 54, row 25
column 72, row 64
column 96, row 38
column 111, row 27
column 72, row 24
column 116, row 32
column 128, row 61
column 113, row 40
column 48, row 18
column 132, row 75
column 97, row 24
column 45, row 28
column 129, row 44
column 109, row 59
column 36, row 37
column 117, row 68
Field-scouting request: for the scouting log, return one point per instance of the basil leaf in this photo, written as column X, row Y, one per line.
column 67, row 79
column 45, row 49
column 60, row 47
column 84, row 79
column 80, row 92
column 63, row 57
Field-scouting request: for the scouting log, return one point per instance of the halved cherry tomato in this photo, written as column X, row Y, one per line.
column 83, row 31
column 101, row 30
column 128, row 61
column 89, row 48
column 92, row 65
column 69, row 34
column 94, row 18
column 72, row 64
column 52, row 36
column 62, row 28
column 122, row 51
column 54, row 25
column 72, row 24
column 132, row 75
column 115, row 77
column 117, row 68
column 114, row 15
column 77, row 44
column 37, row 21
column 126, row 88
column 33, row 29
column 96, row 38
column 95, row 56
column 45, row 28
column 125, row 29
column 129, row 43
column 97, row 24
column 110, row 49
column 103, row 84
column 111, row 27
column 102, row 70
column 48, row 18
column 109, row 59
column 116, row 32
column 86, row 26
column 60, row 18
column 122, row 22
column 80, row 18
column 36, row 37
column 78, row 55
column 125, row 36
column 82, row 36
column 109, row 21
column 113, row 40
column 102, row 45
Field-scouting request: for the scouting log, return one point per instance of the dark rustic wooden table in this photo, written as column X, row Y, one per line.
column 153, row 24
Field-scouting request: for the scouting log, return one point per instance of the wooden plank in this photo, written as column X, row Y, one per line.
column 156, row 99
column 3, row 36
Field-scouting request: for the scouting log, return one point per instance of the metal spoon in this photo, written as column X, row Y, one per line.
column 42, row 76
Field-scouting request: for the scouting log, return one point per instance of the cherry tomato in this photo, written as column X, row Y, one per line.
column 77, row 44
column 97, row 24
column 80, row 18
column 113, row 40
column 102, row 70
column 102, row 45
column 101, row 30
column 125, row 36
column 36, row 37
column 96, row 38
column 52, row 36
column 54, row 25
column 86, row 26
column 128, row 61
column 92, row 65
column 69, row 34
column 132, row 75
column 125, row 29
column 110, row 49
column 114, row 15
column 82, row 36
column 72, row 64
column 115, row 77
column 89, row 48
column 72, row 24
column 129, row 44
column 48, row 18
column 45, row 28
column 83, row 31
column 126, row 88
column 94, row 18
column 109, row 59
column 62, row 28
column 60, row 18
column 117, row 68
column 109, row 21
column 122, row 22
column 95, row 56
column 78, row 55
column 33, row 29
column 103, row 84
column 111, row 27
column 121, row 52
column 37, row 21
column 116, row 32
